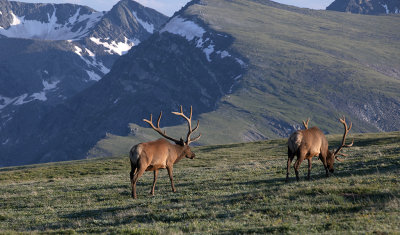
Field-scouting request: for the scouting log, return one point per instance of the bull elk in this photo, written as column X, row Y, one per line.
column 160, row 154
column 312, row 142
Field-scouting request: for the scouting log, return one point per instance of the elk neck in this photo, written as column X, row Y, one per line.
column 180, row 152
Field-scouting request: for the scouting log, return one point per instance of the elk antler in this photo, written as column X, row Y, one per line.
column 346, row 131
column 189, row 121
column 305, row 124
column 158, row 129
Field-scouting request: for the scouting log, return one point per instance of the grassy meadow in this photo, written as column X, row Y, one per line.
column 226, row 189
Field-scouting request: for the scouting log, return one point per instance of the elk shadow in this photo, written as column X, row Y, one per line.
column 212, row 148
column 380, row 165
column 377, row 141
column 142, row 218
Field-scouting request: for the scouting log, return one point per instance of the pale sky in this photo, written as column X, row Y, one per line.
column 168, row 7
column 313, row 4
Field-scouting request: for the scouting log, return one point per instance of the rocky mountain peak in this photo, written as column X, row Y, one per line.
column 369, row 7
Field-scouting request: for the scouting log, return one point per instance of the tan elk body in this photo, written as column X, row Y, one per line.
column 160, row 154
column 310, row 142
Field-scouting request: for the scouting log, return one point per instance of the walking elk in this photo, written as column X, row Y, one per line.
column 312, row 142
column 160, row 154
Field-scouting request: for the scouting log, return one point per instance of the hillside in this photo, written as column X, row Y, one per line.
column 301, row 63
column 235, row 188
column 251, row 69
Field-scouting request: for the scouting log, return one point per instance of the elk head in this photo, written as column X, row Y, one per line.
column 332, row 155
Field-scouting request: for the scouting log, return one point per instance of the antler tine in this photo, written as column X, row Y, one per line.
column 189, row 121
column 339, row 159
column 346, row 131
column 196, row 126
column 195, row 139
column 305, row 124
column 158, row 120
column 158, row 129
column 151, row 120
column 198, row 137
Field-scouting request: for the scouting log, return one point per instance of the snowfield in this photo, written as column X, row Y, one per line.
column 51, row 30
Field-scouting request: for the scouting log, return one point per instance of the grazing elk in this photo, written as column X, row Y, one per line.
column 160, row 154
column 312, row 142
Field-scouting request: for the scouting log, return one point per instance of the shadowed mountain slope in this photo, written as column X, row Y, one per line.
column 369, row 7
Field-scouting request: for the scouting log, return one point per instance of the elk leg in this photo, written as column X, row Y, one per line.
column 323, row 159
column 139, row 172
column 154, row 182
column 289, row 162
column 133, row 169
column 171, row 177
column 300, row 158
column 309, row 168
column 131, row 174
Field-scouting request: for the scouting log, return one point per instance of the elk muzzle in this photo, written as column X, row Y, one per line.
column 192, row 156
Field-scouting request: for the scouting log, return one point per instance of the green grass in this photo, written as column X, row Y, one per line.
column 236, row 188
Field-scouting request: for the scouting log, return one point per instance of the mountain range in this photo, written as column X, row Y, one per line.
column 370, row 7
column 51, row 52
column 251, row 70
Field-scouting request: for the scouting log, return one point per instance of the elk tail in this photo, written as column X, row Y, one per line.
column 294, row 141
column 135, row 153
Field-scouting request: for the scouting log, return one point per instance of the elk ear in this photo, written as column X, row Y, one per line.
column 181, row 142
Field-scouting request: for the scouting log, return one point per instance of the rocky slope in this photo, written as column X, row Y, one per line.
column 369, row 7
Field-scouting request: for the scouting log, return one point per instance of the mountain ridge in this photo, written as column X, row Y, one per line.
column 289, row 64
column 369, row 7
column 38, row 70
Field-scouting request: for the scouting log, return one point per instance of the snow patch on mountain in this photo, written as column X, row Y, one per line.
column 208, row 50
column 25, row 98
column 47, row 86
column 386, row 8
column 93, row 76
column 21, row 100
column 92, row 63
column 223, row 54
column 185, row 28
column 147, row 26
column 192, row 31
column 189, row 30
column 5, row 101
column 119, row 48
column 51, row 30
